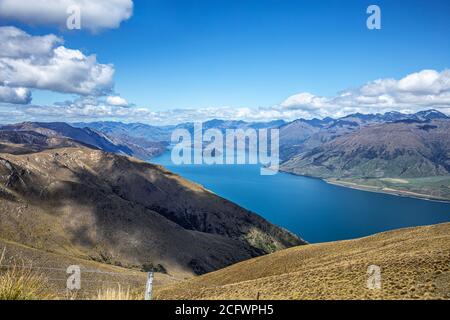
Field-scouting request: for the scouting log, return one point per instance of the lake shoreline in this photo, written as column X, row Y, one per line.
column 390, row 191
column 394, row 192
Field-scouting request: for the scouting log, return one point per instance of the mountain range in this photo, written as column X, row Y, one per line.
column 300, row 135
column 121, row 144
column 295, row 136
column 393, row 152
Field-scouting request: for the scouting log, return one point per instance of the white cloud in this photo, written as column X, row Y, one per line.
column 18, row 44
column 95, row 14
column 424, row 89
column 15, row 95
column 37, row 62
column 418, row 91
column 305, row 99
column 117, row 101
column 83, row 108
column 421, row 83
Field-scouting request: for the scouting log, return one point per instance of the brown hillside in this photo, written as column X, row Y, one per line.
column 118, row 210
column 414, row 262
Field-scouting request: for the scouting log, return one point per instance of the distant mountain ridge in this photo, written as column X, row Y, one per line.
column 295, row 136
column 389, row 143
column 135, row 130
column 307, row 146
column 163, row 133
column 61, row 129
column 24, row 142
column 145, row 141
column 300, row 135
column 408, row 156
column 124, row 145
column 154, row 140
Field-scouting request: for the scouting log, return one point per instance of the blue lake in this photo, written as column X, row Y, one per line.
column 311, row 208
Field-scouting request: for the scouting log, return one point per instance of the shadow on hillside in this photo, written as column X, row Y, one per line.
column 126, row 212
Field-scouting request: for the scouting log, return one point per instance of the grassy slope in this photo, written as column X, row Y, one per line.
column 415, row 264
column 45, row 264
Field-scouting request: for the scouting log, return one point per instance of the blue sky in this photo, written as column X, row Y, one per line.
column 256, row 53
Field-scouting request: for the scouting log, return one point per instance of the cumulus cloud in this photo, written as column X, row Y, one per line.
column 416, row 91
column 95, row 14
column 40, row 62
column 18, row 44
column 117, row 101
column 83, row 108
column 15, row 95
column 305, row 99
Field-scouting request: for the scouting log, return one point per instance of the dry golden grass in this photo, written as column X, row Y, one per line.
column 118, row 293
column 414, row 262
column 21, row 283
column 54, row 266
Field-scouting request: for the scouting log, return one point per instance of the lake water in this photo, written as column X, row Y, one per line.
column 311, row 208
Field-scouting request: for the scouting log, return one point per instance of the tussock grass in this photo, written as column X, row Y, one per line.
column 414, row 262
column 22, row 283
column 118, row 293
